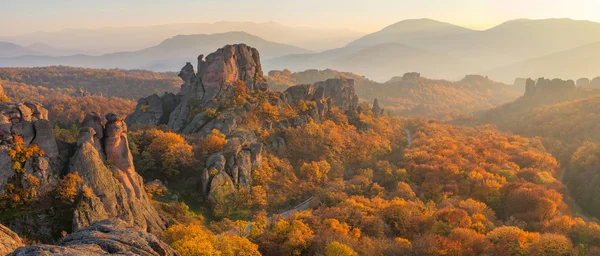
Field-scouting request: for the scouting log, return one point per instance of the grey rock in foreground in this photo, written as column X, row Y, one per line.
column 107, row 237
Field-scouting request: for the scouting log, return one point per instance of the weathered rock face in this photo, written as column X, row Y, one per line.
column 29, row 121
column 212, row 87
column 326, row 94
column 241, row 155
column 546, row 87
column 203, row 89
column 154, row 110
column 106, row 167
column 9, row 241
column 112, row 236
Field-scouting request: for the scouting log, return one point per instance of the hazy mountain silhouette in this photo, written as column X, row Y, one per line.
column 473, row 51
column 11, row 50
column 398, row 59
column 110, row 40
column 44, row 49
column 572, row 64
column 167, row 56
column 411, row 32
column 516, row 41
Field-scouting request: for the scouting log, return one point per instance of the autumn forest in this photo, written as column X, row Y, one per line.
column 233, row 155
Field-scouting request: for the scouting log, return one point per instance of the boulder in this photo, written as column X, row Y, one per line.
column 111, row 236
column 153, row 110
column 9, row 240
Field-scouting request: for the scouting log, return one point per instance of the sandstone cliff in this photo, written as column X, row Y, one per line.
column 104, row 162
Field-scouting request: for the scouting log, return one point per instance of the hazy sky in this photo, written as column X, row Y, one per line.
column 23, row 16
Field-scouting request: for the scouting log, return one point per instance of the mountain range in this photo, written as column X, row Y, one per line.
column 117, row 39
column 518, row 48
column 469, row 51
column 166, row 56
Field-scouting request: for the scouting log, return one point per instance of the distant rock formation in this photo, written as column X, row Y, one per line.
column 377, row 110
column 112, row 236
column 520, row 82
column 546, row 87
column 104, row 162
column 595, row 83
column 326, row 94
column 583, row 82
column 9, row 241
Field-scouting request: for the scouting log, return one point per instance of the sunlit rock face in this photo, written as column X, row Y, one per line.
column 104, row 162
column 9, row 241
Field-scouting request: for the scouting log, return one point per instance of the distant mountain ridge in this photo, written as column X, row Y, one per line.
column 167, row 56
column 563, row 48
column 12, row 50
column 409, row 30
column 574, row 63
column 93, row 41
column 471, row 51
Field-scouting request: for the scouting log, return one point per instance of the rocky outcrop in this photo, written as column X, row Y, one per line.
column 546, row 87
column 326, row 94
column 9, row 241
column 154, row 110
column 377, row 110
column 205, row 104
column 241, row 155
column 595, row 83
column 28, row 121
column 111, row 236
column 203, row 89
column 104, row 162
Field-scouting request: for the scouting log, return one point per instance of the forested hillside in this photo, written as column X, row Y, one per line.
column 67, row 105
column 130, row 84
column 413, row 95
column 565, row 119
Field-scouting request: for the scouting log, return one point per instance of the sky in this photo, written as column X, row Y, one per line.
column 25, row 16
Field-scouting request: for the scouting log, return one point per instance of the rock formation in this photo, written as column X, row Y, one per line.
column 9, row 241
column 104, row 162
column 595, row 83
column 28, row 121
column 112, row 236
column 546, row 87
column 377, row 110
column 154, row 110
column 241, row 155
column 210, row 91
column 583, row 82
column 326, row 94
